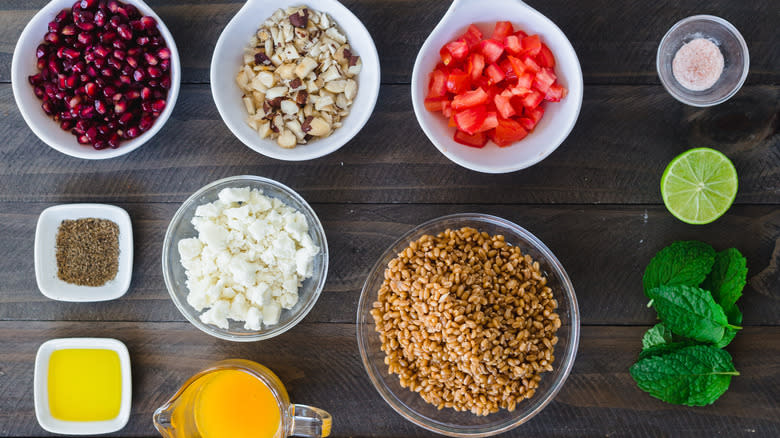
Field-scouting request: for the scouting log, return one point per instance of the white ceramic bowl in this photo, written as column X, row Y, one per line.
column 46, row 261
column 559, row 117
column 41, row 384
column 228, row 59
column 48, row 130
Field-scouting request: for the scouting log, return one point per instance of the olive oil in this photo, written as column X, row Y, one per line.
column 84, row 384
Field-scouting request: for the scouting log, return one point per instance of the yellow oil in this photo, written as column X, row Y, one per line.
column 227, row 403
column 84, row 384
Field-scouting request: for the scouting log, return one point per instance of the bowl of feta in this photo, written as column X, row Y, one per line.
column 245, row 258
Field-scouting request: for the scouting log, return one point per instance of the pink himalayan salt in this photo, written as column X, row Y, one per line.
column 698, row 64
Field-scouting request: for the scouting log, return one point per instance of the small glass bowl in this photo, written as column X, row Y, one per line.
column 731, row 44
column 448, row 421
column 181, row 228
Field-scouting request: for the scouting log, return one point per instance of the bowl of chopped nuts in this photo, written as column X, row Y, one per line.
column 468, row 325
column 295, row 82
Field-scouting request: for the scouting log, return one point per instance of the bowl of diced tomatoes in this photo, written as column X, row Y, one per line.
column 499, row 92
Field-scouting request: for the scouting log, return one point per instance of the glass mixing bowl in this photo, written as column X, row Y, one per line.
column 448, row 421
column 181, row 228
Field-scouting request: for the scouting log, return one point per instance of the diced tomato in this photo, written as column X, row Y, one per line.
column 446, row 108
column 555, row 93
column 470, row 119
column 435, row 103
column 534, row 114
column 437, row 86
column 475, row 65
column 446, row 56
column 530, row 64
column 491, row 49
column 495, row 73
column 451, row 123
column 533, row 99
column 491, row 121
column 545, row 57
column 502, row 30
column 520, row 34
column 512, row 44
column 532, row 45
column 527, row 123
column 518, row 66
column 506, row 66
column 469, row 99
column 459, row 49
column 473, row 36
column 525, row 81
column 544, row 80
column 458, row 81
column 507, row 132
column 504, row 106
column 477, row 140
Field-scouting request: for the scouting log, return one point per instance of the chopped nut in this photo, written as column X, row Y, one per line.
column 319, row 127
column 289, row 107
column 301, row 97
column 287, row 139
column 300, row 18
column 336, row 86
column 305, row 67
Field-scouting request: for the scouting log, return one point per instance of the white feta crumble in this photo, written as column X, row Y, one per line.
column 250, row 257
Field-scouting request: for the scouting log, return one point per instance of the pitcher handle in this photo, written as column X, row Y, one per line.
column 308, row 421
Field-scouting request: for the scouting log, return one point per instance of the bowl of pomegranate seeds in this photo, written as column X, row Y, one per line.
column 95, row 79
column 496, row 89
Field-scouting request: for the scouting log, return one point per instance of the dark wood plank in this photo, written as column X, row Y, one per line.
column 624, row 139
column 603, row 248
column 599, row 398
column 615, row 43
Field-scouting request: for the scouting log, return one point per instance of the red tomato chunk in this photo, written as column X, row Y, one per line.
column 493, row 87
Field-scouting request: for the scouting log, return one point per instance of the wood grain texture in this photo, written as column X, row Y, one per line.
column 625, row 137
column 603, row 248
column 615, row 43
column 321, row 366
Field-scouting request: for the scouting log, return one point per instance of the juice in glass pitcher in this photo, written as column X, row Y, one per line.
column 238, row 399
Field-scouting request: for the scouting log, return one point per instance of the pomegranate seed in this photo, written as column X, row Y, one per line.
column 47, row 108
column 115, row 21
column 62, row 15
column 41, row 51
column 142, row 41
column 107, row 37
column 109, row 91
column 91, row 89
column 119, row 44
column 148, row 22
column 147, row 106
column 138, row 75
column 41, row 64
column 114, row 140
column 156, row 41
column 82, row 139
column 74, row 102
column 125, row 118
column 79, row 67
column 68, row 30
column 50, row 89
column 39, row 92
column 127, row 69
column 124, row 31
column 66, row 125
column 132, row 12
column 150, row 59
column 158, row 94
column 100, row 144
column 87, row 112
column 164, row 53
column 134, row 51
column 113, row 5
column 85, row 38
column 153, row 83
column 99, row 62
column 59, row 95
column 54, row 67
column 101, row 107
column 146, row 93
column 92, row 133
column 159, row 105
column 71, row 53
column 113, row 125
column 89, row 4
column 132, row 95
column 136, row 25
column 118, row 54
column 117, row 97
column 52, row 38
column 84, row 77
column 132, row 61
column 35, row 79
column 101, row 51
column 100, row 18
column 114, row 63
column 120, row 107
column 132, row 132
column 154, row 72
column 166, row 82
column 104, row 130
column 146, row 123
column 86, row 25
column 54, row 26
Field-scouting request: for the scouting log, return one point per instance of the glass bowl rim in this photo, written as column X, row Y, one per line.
column 566, row 363
column 731, row 29
column 276, row 329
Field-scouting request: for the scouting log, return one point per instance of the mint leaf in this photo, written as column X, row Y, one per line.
column 727, row 278
column 684, row 262
column 734, row 316
column 694, row 376
column 657, row 335
column 690, row 312
column 661, row 349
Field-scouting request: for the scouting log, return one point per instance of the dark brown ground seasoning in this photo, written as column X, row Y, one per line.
column 87, row 251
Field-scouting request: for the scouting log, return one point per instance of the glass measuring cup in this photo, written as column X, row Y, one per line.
column 182, row 415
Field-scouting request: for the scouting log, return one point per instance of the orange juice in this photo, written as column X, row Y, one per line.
column 227, row 403
column 84, row 384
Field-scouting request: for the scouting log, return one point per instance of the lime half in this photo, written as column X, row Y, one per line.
column 699, row 185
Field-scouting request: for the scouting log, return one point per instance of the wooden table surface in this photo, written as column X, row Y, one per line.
column 595, row 202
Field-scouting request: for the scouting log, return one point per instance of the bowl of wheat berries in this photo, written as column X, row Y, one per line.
column 468, row 325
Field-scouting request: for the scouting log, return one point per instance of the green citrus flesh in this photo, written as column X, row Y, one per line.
column 699, row 185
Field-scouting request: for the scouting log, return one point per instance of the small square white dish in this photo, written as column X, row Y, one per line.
column 45, row 253
column 41, row 382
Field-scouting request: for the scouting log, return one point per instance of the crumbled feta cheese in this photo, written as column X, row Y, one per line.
column 251, row 255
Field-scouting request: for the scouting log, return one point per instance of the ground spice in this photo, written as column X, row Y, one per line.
column 698, row 64
column 87, row 251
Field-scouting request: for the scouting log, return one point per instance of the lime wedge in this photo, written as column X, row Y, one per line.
column 699, row 185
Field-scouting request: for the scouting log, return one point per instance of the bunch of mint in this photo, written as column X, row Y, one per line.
column 695, row 292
